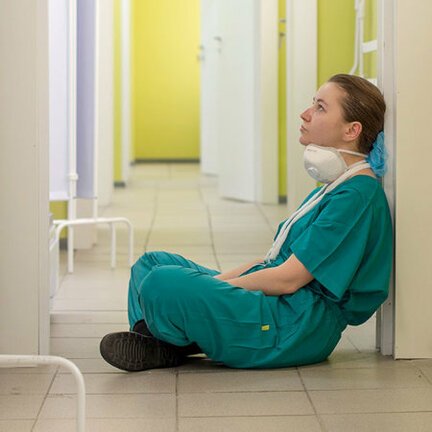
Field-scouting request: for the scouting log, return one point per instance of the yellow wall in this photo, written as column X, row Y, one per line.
column 165, row 74
column 370, row 30
column 59, row 211
column 336, row 20
column 165, row 79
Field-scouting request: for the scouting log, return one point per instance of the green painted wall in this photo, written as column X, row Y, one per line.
column 165, row 77
column 59, row 211
column 336, row 20
column 370, row 29
column 157, row 118
column 336, row 24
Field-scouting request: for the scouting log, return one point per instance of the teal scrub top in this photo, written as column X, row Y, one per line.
column 346, row 243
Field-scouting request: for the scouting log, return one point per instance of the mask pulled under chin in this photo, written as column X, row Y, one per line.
column 325, row 164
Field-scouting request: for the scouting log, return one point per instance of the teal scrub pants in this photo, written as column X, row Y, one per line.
column 182, row 303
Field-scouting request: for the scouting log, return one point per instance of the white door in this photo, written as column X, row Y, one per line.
column 239, row 101
column 237, row 113
column 209, row 57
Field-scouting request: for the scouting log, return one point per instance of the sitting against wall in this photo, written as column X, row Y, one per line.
column 329, row 265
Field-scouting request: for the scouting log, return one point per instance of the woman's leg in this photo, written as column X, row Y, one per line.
column 183, row 305
column 243, row 329
column 144, row 265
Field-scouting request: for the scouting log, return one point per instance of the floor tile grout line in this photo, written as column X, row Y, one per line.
column 267, row 220
column 176, row 403
column 243, row 416
column 210, row 227
column 424, row 375
column 264, row 415
column 45, row 398
column 353, row 344
column 152, row 223
column 317, row 416
column 261, row 392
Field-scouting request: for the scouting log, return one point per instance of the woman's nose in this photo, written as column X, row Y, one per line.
column 305, row 115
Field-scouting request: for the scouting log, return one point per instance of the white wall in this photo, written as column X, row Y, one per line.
column 244, row 55
column 126, row 128
column 209, row 53
column 413, row 71
column 268, row 95
column 105, row 101
column 24, row 276
column 301, row 87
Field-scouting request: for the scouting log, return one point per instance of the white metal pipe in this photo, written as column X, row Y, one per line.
column 131, row 247
column 113, row 245
column 125, row 86
column 57, row 269
column 96, row 107
column 361, row 39
column 34, row 360
column 72, row 98
column 358, row 37
column 356, row 47
column 61, row 224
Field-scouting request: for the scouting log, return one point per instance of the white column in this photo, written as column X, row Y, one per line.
column 105, row 102
column 247, row 117
column 302, row 67
column 267, row 66
column 413, row 69
column 386, row 82
column 125, row 87
column 24, row 265
column 209, row 53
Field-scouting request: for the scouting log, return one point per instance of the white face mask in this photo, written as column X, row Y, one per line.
column 325, row 164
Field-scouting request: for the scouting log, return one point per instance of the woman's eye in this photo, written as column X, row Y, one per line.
column 320, row 107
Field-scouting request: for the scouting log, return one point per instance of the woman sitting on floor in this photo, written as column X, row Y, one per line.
column 329, row 265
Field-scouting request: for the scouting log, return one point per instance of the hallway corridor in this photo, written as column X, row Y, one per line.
column 173, row 207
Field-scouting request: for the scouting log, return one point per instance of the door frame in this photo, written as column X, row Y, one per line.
column 126, row 101
column 385, row 336
column 302, row 73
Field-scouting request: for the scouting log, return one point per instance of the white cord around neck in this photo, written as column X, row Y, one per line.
column 309, row 205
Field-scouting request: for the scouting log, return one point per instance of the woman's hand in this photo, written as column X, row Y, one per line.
column 238, row 270
column 284, row 279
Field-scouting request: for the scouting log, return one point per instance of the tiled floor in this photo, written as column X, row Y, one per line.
column 172, row 207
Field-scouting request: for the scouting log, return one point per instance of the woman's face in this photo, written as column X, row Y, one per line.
column 323, row 122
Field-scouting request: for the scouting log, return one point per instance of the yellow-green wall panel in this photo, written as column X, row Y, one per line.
column 165, row 79
column 59, row 211
column 336, row 20
column 370, row 33
column 336, row 26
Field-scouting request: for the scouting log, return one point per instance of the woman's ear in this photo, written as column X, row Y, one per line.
column 353, row 131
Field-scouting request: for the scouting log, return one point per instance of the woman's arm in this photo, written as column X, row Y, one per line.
column 284, row 279
column 231, row 274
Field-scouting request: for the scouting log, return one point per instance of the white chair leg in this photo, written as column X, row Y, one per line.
column 34, row 360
